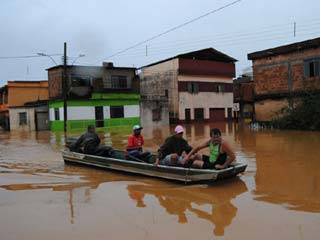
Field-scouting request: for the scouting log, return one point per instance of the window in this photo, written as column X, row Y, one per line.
column 116, row 112
column 156, row 114
column 166, row 93
column 312, row 68
column 119, row 82
column 198, row 114
column 79, row 80
column 56, row 114
column 193, row 87
column 1, row 101
column 22, row 118
column 220, row 88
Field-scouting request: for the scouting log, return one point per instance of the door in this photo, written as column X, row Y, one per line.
column 42, row 121
column 198, row 114
column 187, row 115
column 99, row 116
column 229, row 114
column 217, row 114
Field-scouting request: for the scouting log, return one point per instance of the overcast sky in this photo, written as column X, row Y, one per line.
column 101, row 28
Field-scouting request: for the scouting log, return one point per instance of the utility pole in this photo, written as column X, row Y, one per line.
column 64, row 86
column 294, row 29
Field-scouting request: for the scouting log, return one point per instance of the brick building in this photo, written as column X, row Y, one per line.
column 243, row 97
column 282, row 74
column 195, row 86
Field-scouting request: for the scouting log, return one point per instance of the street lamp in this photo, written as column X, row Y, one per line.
column 80, row 55
column 46, row 55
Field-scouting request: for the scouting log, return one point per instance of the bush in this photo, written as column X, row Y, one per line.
column 304, row 115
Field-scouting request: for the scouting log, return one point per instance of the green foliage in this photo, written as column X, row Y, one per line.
column 304, row 115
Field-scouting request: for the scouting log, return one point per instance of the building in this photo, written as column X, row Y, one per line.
column 4, row 110
column 282, row 74
column 20, row 105
column 243, row 97
column 31, row 116
column 188, row 87
column 105, row 96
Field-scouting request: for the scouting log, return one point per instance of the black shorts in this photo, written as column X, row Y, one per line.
column 208, row 165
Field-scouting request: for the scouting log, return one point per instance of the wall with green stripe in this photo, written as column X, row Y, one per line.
column 83, row 124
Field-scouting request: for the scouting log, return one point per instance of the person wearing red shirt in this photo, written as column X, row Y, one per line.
column 135, row 143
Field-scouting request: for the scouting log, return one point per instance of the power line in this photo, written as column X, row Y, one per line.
column 30, row 56
column 173, row 29
column 221, row 39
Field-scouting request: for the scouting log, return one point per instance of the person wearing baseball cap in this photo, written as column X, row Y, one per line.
column 170, row 153
column 135, row 144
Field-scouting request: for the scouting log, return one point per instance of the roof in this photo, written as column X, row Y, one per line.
column 82, row 66
column 209, row 54
column 312, row 43
column 21, row 81
column 37, row 103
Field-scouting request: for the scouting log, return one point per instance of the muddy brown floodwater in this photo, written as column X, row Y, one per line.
column 278, row 197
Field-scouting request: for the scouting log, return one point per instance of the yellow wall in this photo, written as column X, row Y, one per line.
column 267, row 110
column 23, row 92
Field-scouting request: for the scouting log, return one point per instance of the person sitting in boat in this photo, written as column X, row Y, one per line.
column 135, row 144
column 170, row 153
column 221, row 153
column 90, row 141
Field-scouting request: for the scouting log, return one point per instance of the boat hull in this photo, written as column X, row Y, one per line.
column 181, row 174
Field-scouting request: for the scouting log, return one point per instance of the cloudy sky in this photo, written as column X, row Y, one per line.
column 100, row 29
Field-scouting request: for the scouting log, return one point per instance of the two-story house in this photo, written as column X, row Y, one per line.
column 23, row 105
column 282, row 74
column 194, row 86
column 104, row 96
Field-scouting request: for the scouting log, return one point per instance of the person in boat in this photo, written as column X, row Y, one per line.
column 221, row 153
column 90, row 141
column 135, row 144
column 170, row 153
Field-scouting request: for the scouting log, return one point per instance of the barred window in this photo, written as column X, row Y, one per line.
column 22, row 118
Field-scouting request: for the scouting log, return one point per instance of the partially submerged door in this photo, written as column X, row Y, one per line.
column 42, row 121
column 217, row 114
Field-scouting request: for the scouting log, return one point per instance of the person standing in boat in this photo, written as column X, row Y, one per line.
column 90, row 142
column 170, row 153
column 221, row 153
column 135, row 144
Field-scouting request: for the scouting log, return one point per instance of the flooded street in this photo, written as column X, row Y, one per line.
column 277, row 197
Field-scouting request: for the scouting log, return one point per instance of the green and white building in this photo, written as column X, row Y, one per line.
column 102, row 96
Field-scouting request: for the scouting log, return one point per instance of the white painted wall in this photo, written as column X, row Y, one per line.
column 83, row 113
column 14, row 119
column 106, row 112
column 131, row 111
column 51, row 114
column 182, row 78
column 88, row 112
column 61, row 116
column 205, row 100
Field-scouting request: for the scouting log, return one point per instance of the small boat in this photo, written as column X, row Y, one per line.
column 118, row 162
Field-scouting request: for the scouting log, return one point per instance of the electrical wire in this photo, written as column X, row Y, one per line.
column 172, row 29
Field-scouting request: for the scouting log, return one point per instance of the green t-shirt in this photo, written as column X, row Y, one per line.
column 214, row 152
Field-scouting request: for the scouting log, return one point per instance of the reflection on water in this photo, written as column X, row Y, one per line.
column 181, row 201
column 282, row 178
